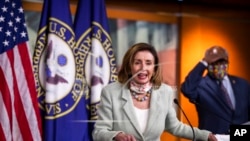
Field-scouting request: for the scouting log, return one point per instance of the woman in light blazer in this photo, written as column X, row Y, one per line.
column 139, row 107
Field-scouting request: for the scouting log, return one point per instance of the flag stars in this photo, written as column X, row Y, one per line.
column 10, row 23
column 12, row 13
column 2, row 18
column 20, row 10
column 18, row 19
column 12, row 26
column 6, row 43
column 4, row 9
column 23, row 34
column 8, row 33
column 13, row 5
column 15, row 29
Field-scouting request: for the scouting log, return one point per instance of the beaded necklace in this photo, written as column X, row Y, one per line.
column 141, row 99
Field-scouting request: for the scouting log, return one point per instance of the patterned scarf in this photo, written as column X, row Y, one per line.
column 140, row 88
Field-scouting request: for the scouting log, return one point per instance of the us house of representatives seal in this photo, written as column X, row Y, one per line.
column 99, row 65
column 59, row 68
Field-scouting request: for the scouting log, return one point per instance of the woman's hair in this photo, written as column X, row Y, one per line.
column 124, row 75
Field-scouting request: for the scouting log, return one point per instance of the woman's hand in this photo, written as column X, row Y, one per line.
column 124, row 137
column 211, row 137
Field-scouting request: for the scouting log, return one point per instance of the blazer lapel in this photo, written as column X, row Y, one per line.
column 213, row 86
column 236, row 90
column 128, row 109
column 154, row 109
column 216, row 92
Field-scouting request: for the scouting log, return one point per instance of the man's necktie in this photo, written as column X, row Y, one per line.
column 226, row 95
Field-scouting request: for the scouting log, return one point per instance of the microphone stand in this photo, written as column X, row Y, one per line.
column 177, row 103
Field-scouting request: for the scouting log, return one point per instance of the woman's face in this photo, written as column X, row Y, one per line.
column 142, row 68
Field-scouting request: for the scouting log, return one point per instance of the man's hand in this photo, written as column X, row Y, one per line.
column 215, row 53
column 209, row 57
column 211, row 137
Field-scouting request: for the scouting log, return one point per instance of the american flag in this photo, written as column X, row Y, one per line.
column 19, row 117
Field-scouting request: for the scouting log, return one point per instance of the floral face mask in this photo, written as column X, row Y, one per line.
column 218, row 71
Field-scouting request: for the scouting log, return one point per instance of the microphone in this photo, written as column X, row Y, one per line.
column 213, row 113
column 177, row 103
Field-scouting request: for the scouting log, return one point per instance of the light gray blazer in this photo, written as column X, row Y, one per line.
column 116, row 114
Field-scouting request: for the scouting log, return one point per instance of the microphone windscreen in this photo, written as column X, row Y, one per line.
column 176, row 101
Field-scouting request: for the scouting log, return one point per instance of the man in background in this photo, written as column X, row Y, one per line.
column 221, row 99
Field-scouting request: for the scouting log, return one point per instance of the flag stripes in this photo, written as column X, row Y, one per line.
column 19, row 119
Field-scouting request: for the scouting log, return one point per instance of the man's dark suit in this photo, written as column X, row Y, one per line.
column 213, row 112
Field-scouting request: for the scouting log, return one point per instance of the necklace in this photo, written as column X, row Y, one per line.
column 141, row 99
